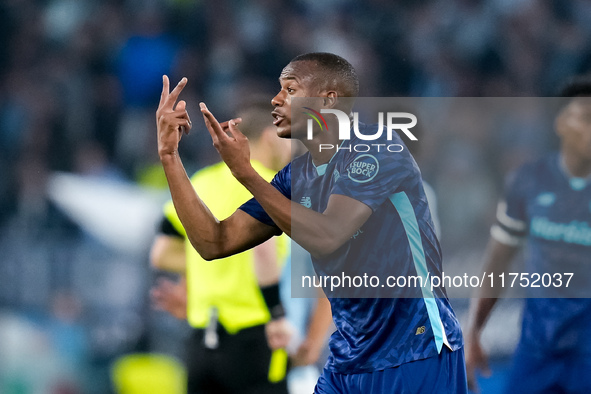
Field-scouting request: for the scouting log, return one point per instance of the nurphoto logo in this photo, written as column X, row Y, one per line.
column 344, row 121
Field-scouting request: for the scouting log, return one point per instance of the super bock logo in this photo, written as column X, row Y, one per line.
column 363, row 169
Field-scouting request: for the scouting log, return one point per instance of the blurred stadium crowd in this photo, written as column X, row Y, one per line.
column 79, row 83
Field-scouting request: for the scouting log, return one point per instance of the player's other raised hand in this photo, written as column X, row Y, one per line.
column 172, row 118
column 230, row 143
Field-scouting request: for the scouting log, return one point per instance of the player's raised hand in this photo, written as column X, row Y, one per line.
column 476, row 360
column 172, row 118
column 231, row 144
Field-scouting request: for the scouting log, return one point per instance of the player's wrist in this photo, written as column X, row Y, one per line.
column 244, row 173
column 167, row 156
column 473, row 335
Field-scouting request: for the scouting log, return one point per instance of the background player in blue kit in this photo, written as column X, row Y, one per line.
column 541, row 200
column 377, row 224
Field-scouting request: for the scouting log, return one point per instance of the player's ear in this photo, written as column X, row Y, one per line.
column 330, row 100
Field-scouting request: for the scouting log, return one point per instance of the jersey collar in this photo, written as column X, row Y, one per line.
column 321, row 169
column 576, row 183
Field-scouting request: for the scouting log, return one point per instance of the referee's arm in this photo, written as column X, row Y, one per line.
column 168, row 249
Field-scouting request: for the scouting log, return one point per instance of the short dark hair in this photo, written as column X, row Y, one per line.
column 346, row 82
column 578, row 86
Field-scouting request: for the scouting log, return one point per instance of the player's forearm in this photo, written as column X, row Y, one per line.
column 203, row 229
column 480, row 309
column 320, row 322
column 314, row 231
column 498, row 258
column 277, row 206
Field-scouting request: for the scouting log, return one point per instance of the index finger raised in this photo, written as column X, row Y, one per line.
column 215, row 130
column 165, row 89
column 174, row 95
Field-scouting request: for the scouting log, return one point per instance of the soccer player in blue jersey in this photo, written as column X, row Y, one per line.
column 376, row 220
column 547, row 206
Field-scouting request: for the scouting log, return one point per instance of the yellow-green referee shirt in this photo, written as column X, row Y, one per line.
column 228, row 284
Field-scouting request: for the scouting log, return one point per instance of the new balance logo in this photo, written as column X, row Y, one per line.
column 306, row 201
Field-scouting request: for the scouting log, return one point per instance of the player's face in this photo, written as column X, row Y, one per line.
column 296, row 80
column 574, row 127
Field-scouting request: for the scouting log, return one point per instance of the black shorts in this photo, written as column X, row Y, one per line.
column 240, row 364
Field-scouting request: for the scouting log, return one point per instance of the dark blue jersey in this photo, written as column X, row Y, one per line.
column 397, row 240
column 551, row 212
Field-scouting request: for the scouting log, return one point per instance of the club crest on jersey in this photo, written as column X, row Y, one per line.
column 363, row 169
column 306, row 201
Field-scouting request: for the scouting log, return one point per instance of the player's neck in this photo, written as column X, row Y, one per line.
column 322, row 147
column 575, row 166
